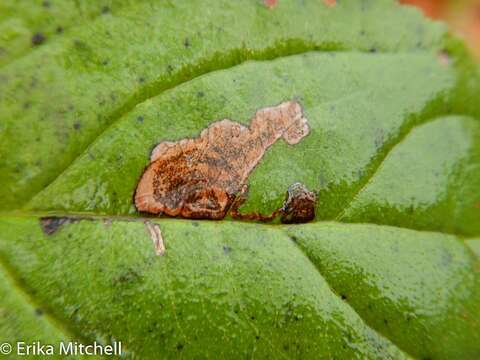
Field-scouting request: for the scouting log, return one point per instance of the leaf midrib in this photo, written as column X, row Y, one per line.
column 128, row 218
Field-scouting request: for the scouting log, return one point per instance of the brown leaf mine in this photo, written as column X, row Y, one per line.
column 200, row 177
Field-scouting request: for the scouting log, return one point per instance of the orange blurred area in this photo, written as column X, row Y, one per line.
column 463, row 16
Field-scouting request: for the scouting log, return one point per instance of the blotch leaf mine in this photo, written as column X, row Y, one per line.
column 200, row 177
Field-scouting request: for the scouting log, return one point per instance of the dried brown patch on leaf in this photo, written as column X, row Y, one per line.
column 200, row 177
column 157, row 238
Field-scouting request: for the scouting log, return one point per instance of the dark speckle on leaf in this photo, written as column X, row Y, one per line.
column 186, row 43
column 38, row 312
column 59, row 29
column 227, row 249
column 77, row 125
column 38, row 38
column 105, row 9
column 51, row 224
column 140, row 119
column 128, row 277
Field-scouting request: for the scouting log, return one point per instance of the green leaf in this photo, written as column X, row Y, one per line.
column 393, row 107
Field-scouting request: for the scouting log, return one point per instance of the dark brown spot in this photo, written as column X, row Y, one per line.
column 77, row 125
column 51, row 224
column 201, row 177
column 46, row 4
column 38, row 312
column 38, row 38
column 59, row 29
column 105, row 9
column 186, row 43
column 300, row 205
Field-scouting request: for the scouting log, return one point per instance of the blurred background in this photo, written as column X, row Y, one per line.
column 463, row 16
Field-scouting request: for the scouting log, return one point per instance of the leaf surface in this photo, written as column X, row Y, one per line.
column 392, row 103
